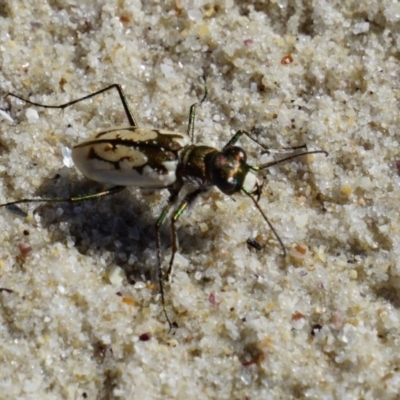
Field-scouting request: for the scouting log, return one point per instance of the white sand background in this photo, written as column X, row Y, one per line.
column 324, row 323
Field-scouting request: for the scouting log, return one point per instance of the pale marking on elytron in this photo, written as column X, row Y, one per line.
column 153, row 179
column 130, row 134
column 127, row 175
column 118, row 153
column 135, row 134
column 182, row 140
column 107, row 159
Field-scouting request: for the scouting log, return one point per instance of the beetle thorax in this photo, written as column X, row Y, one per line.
column 193, row 167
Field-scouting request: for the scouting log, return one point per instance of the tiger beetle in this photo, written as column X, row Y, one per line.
column 159, row 159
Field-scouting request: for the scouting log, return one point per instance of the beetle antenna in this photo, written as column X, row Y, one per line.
column 255, row 201
column 272, row 163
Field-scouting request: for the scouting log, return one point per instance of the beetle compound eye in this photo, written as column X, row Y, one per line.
column 225, row 182
column 235, row 154
column 221, row 174
column 227, row 171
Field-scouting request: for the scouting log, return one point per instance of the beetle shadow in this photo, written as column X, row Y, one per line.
column 118, row 227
